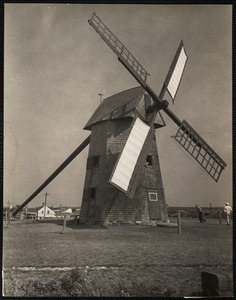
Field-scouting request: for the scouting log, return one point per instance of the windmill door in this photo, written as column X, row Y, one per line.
column 153, row 204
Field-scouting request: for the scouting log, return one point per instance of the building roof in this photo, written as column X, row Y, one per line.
column 32, row 209
column 122, row 105
column 47, row 207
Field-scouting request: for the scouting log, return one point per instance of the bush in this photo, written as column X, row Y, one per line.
column 79, row 283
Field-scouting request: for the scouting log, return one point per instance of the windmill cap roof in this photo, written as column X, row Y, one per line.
column 120, row 105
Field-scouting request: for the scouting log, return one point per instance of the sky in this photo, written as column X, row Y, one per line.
column 55, row 65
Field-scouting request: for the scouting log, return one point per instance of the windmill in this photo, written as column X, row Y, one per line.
column 129, row 167
column 111, row 125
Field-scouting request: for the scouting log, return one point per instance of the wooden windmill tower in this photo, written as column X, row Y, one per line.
column 111, row 125
column 123, row 178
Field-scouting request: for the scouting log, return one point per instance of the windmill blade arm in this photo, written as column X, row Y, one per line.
column 118, row 48
column 54, row 174
column 172, row 116
column 198, row 148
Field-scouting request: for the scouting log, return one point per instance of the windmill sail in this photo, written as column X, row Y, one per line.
column 176, row 70
column 124, row 169
column 135, row 179
column 120, row 50
column 191, row 141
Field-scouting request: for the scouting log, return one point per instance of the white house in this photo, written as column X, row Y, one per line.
column 60, row 212
column 45, row 212
column 68, row 211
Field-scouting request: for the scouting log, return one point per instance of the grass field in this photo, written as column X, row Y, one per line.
column 125, row 260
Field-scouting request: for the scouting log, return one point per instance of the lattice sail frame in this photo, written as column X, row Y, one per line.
column 191, row 141
column 120, row 50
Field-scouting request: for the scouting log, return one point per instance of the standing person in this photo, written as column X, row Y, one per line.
column 228, row 210
column 201, row 216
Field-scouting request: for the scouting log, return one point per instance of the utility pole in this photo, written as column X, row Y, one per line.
column 8, row 212
column 45, row 202
column 26, row 210
column 179, row 222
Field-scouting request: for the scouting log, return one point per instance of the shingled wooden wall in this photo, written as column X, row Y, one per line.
column 101, row 201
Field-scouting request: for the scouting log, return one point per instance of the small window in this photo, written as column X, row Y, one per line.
column 48, row 212
column 92, row 193
column 95, row 161
column 153, row 196
column 92, row 162
column 149, row 160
